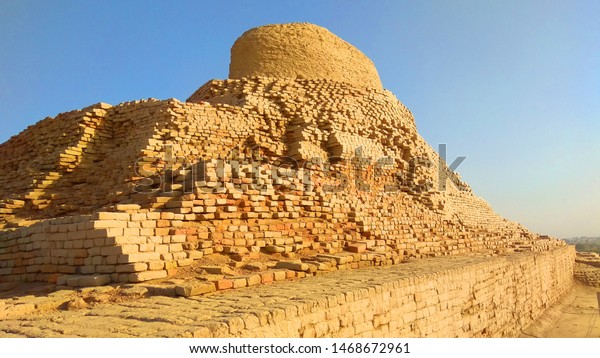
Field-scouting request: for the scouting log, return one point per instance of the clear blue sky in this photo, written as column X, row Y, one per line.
column 512, row 85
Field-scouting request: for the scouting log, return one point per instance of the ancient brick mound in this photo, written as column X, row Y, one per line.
column 288, row 173
column 300, row 50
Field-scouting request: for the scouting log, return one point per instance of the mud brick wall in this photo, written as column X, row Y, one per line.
column 92, row 250
column 447, row 297
column 47, row 249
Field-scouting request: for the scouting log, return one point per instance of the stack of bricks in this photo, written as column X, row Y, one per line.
column 101, row 248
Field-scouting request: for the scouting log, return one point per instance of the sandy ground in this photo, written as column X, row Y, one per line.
column 576, row 315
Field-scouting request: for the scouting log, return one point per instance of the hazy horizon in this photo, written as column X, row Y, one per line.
column 514, row 86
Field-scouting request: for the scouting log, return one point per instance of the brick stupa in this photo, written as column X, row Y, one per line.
column 301, row 162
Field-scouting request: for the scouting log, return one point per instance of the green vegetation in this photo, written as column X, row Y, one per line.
column 585, row 244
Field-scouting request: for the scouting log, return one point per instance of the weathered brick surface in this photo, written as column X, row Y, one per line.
column 440, row 297
column 300, row 50
column 587, row 268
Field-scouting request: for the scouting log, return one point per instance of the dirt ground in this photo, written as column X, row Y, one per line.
column 576, row 315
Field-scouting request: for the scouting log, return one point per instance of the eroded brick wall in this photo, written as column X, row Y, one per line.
column 460, row 297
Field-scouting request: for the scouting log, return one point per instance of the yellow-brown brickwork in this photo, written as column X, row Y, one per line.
column 316, row 172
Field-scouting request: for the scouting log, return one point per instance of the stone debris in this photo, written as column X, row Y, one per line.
column 194, row 289
column 76, row 304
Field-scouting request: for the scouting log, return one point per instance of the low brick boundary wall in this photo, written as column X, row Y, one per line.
column 450, row 297
column 454, row 297
column 93, row 249
column 440, row 297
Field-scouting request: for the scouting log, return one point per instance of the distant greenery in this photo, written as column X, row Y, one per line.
column 585, row 244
